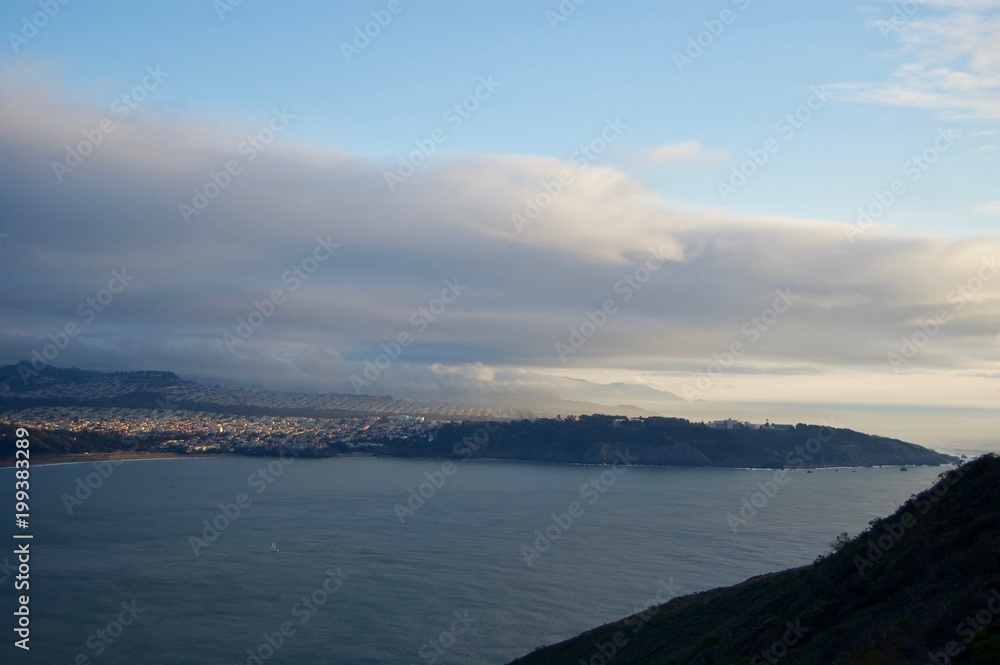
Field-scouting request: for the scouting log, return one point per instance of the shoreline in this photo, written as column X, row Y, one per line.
column 80, row 458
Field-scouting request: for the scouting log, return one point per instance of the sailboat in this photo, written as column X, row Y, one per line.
column 274, row 546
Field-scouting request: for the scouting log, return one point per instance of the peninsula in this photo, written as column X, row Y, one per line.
column 89, row 414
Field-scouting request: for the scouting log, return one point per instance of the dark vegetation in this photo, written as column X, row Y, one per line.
column 600, row 439
column 62, row 442
column 921, row 586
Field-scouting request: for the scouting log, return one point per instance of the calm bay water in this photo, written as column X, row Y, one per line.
column 455, row 564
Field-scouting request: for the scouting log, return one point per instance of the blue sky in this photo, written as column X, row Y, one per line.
column 606, row 59
column 886, row 92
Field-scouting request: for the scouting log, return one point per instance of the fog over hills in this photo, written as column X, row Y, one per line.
column 20, row 384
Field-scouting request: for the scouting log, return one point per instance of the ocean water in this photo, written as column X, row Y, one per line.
column 354, row 584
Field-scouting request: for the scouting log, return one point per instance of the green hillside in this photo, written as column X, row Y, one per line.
column 921, row 586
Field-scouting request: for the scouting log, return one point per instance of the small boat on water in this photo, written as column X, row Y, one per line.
column 903, row 468
column 274, row 546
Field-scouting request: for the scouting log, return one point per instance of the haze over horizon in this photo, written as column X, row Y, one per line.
column 619, row 204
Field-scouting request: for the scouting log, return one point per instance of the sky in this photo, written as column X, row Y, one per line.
column 759, row 209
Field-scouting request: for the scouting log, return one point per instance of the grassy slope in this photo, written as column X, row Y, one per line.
column 941, row 568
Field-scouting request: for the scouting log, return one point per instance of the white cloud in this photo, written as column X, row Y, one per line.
column 989, row 208
column 951, row 61
column 525, row 290
column 684, row 152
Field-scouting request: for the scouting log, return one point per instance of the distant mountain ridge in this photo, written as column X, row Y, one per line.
column 22, row 379
column 23, row 387
column 54, row 386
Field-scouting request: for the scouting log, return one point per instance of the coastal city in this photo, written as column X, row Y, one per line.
column 154, row 410
column 179, row 430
